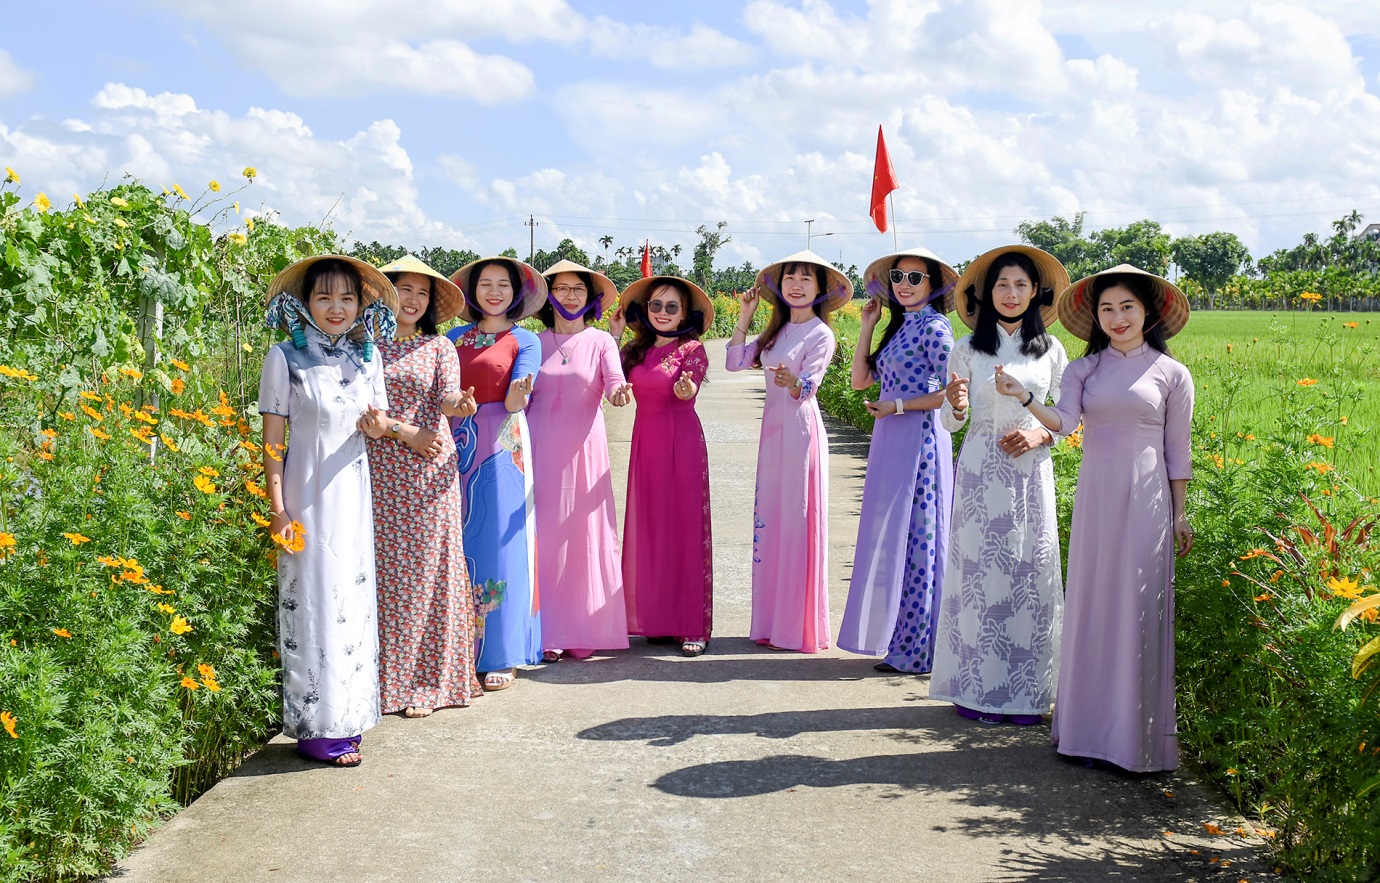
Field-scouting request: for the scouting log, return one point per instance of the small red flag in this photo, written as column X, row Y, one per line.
column 647, row 259
column 883, row 182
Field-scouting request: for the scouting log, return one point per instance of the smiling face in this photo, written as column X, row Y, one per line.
column 665, row 308
column 493, row 290
column 570, row 291
column 414, row 295
column 910, row 295
column 1121, row 316
column 1011, row 293
column 333, row 303
column 799, row 286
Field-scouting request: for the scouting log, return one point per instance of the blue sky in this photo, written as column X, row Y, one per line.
column 442, row 122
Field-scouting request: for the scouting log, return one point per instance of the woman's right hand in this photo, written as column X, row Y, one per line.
column 618, row 323
column 957, row 392
column 426, row 443
column 747, row 303
column 1008, row 385
column 871, row 313
column 280, row 523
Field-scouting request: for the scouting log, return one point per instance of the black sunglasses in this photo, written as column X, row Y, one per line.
column 914, row 277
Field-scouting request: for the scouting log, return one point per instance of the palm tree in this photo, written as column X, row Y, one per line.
column 606, row 240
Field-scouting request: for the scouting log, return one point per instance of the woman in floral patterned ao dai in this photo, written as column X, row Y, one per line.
column 426, row 608
column 321, row 382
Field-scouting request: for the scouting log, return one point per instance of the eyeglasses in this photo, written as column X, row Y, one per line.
column 562, row 290
column 914, row 277
column 670, row 308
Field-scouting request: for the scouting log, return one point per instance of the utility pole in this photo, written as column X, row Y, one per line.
column 532, row 238
column 807, row 233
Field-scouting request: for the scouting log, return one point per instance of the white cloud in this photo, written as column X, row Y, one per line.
column 14, row 80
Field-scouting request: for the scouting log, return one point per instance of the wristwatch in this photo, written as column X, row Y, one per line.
column 395, row 429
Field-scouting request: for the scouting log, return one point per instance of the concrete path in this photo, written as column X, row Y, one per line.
column 742, row 764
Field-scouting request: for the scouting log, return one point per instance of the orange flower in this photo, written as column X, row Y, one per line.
column 141, row 434
column 1275, row 577
column 103, row 436
column 1349, row 325
column 204, row 484
column 209, row 472
column 1254, row 553
column 211, row 684
column 254, row 489
column 91, row 396
column 259, row 519
column 168, row 443
column 1307, row 381
column 92, row 413
column 178, row 386
column 1347, row 588
column 1342, row 419
column 132, row 373
column 179, row 626
column 185, row 516
column 190, row 683
column 1324, row 440
column 250, row 447
column 144, row 417
column 167, row 608
column 1265, row 597
column 181, row 365
column 1323, row 468
column 8, row 721
column 7, row 544
column 67, row 415
column 273, row 451
column 77, row 539
column 205, row 670
column 159, row 590
column 62, row 633
column 298, row 541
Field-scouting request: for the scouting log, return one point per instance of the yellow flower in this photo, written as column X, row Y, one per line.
column 185, row 516
column 168, row 443
column 1344, row 588
column 167, row 608
column 1310, row 296
column 67, row 415
column 211, row 684
column 215, row 186
column 1324, row 440
column 205, row 670
column 119, row 202
column 91, row 396
column 159, row 590
column 1350, row 325
column 179, row 626
column 249, row 222
column 1307, row 381
column 17, row 373
column 249, row 172
column 1323, row 468
column 77, row 198
column 77, row 539
column 177, row 188
column 204, row 484
column 121, row 223
column 1342, row 420
column 209, row 472
column 132, row 373
column 62, row 633
column 190, row 683
column 93, row 413
column 7, row 544
column 43, row 203
column 236, row 206
column 12, row 177
column 254, row 489
column 142, row 435
column 298, row 541
column 259, row 519
column 103, row 436
column 8, row 721
column 181, row 365
column 178, row 386
column 238, row 238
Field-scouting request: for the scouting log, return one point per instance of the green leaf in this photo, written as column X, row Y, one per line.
column 1361, row 661
column 1370, row 602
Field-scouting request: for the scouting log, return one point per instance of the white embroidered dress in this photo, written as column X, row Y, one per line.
column 1001, row 610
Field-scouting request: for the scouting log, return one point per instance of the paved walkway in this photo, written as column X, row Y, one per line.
column 742, row 764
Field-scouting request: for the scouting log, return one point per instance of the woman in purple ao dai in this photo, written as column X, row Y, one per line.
column 790, row 597
column 903, row 530
column 1116, row 668
column 997, row 648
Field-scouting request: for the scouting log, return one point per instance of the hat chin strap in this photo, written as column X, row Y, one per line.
column 596, row 306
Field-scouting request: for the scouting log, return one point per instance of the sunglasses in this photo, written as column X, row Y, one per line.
column 670, row 308
column 914, row 277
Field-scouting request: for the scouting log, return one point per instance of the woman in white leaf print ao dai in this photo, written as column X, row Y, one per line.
column 997, row 651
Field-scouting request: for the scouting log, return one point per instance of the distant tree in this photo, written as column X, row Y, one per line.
column 1142, row 244
column 567, row 250
column 447, row 260
column 376, row 253
column 1211, row 260
column 1064, row 239
column 851, row 271
column 509, row 252
column 702, row 262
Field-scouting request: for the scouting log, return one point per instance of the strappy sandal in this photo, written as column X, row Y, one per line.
column 499, row 680
column 694, row 648
column 550, row 656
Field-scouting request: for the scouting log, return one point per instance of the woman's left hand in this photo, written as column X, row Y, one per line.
column 522, row 386
column 373, row 423
column 878, row 410
column 1183, row 534
column 1021, row 441
column 461, row 404
column 621, row 396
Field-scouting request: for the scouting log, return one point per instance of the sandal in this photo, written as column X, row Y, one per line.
column 499, row 680
column 694, row 648
column 417, row 711
column 550, row 656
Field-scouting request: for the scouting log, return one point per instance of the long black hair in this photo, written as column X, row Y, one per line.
column 1035, row 339
column 426, row 321
column 897, row 313
column 514, row 311
column 644, row 336
column 547, row 313
column 1143, row 287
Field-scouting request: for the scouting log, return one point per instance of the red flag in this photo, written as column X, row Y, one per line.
column 647, row 259
column 883, row 182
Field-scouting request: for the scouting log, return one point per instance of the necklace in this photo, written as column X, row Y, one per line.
column 565, row 357
column 416, row 332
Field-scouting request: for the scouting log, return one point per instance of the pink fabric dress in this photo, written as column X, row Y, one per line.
column 1116, row 669
column 577, row 559
column 668, row 558
column 790, row 541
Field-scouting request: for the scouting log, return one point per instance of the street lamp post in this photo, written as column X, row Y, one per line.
column 811, row 235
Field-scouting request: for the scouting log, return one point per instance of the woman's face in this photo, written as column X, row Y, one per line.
column 570, row 292
column 414, row 294
column 1011, row 293
column 911, row 295
column 1121, row 316
column 333, row 306
column 665, row 308
column 799, row 287
column 493, row 290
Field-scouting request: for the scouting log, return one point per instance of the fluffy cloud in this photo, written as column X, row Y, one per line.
column 14, row 80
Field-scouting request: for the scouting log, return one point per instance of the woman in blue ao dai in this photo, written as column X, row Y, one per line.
column 903, row 530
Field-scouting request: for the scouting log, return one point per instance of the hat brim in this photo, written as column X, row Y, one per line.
column 1076, row 307
column 639, row 291
column 839, row 287
column 608, row 290
column 374, row 285
column 533, row 292
column 1052, row 276
column 447, row 295
column 877, row 279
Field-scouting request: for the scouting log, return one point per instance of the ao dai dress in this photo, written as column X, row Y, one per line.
column 903, row 530
column 494, row 449
column 668, row 556
column 1116, row 671
column 790, row 569
column 426, row 608
column 578, row 564
column 327, row 605
column 997, row 647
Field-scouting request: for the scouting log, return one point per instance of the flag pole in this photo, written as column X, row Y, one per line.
column 894, row 243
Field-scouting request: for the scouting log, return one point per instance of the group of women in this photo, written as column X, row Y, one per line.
column 451, row 502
